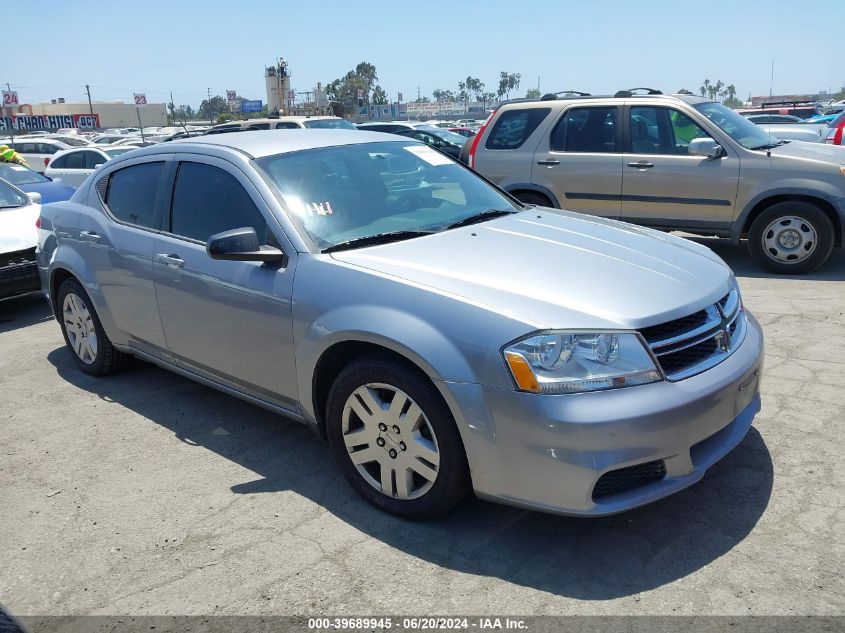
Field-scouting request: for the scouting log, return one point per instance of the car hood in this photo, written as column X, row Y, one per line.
column 822, row 152
column 559, row 269
column 17, row 228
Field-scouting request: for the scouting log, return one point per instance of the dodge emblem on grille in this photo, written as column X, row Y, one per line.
column 723, row 338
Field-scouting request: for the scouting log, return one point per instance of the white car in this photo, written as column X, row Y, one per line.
column 394, row 126
column 73, row 166
column 37, row 152
column 18, row 238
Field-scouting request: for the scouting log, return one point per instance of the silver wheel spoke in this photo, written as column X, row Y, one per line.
column 404, row 483
column 366, row 455
column 425, row 449
column 79, row 326
column 424, row 470
column 375, row 429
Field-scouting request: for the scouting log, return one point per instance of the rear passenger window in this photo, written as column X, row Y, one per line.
column 590, row 130
column 74, row 160
column 92, row 159
column 44, row 148
column 259, row 126
column 131, row 194
column 208, row 200
column 59, row 163
column 286, row 125
column 513, row 127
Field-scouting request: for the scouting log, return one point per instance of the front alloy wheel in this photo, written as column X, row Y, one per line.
column 390, row 441
column 395, row 439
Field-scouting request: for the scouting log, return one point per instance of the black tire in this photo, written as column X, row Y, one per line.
column 452, row 482
column 107, row 359
column 812, row 217
column 533, row 197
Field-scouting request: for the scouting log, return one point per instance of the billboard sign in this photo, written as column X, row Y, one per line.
column 49, row 122
column 251, row 106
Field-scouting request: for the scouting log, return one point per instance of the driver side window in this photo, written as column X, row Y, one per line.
column 656, row 130
column 208, row 200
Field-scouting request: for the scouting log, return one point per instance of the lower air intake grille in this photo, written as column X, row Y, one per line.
column 625, row 479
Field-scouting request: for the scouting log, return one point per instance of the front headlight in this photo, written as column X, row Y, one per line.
column 572, row 362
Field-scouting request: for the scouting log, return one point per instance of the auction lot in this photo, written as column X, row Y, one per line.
column 146, row 493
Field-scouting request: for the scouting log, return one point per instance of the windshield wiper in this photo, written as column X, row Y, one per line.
column 372, row 240
column 782, row 141
column 489, row 214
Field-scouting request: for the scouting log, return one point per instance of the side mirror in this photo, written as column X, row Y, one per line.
column 35, row 197
column 706, row 147
column 242, row 245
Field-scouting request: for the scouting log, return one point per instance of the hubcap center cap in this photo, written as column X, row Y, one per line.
column 790, row 239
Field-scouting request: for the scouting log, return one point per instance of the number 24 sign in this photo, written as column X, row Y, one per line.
column 10, row 98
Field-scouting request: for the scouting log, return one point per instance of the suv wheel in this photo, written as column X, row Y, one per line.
column 791, row 237
column 532, row 197
column 91, row 349
column 395, row 440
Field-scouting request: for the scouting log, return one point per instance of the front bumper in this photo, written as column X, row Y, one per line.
column 18, row 273
column 548, row 452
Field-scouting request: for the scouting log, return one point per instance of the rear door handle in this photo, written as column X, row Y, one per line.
column 643, row 164
column 548, row 162
column 174, row 261
column 89, row 236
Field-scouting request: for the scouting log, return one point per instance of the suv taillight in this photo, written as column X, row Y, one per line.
column 837, row 136
column 38, row 222
column 476, row 140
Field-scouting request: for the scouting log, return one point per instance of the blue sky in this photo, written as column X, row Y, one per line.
column 119, row 47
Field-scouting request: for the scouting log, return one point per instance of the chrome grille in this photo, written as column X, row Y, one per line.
column 692, row 344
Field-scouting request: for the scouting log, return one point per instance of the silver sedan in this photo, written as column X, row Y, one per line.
column 441, row 336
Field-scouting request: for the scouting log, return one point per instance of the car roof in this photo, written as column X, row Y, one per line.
column 270, row 142
column 544, row 101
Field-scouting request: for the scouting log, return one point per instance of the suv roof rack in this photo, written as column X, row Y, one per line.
column 551, row 96
column 783, row 103
column 630, row 92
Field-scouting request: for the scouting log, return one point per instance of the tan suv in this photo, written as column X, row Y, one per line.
column 670, row 162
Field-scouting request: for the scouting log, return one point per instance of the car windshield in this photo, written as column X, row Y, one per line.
column 736, row 126
column 20, row 175
column 330, row 124
column 339, row 194
column 70, row 140
column 10, row 198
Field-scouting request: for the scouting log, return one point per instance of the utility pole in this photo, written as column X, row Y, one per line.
column 418, row 93
column 210, row 112
column 772, row 80
column 90, row 107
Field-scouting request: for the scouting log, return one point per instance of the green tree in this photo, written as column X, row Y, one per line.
column 488, row 98
column 345, row 89
column 507, row 82
column 209, row 109
column 705, row 88
column 379, row 96
column 533, row 93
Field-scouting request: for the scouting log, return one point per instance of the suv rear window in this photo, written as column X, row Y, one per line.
column 513, row 127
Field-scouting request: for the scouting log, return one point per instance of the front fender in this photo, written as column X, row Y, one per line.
column 401, row 332
column 794, row 187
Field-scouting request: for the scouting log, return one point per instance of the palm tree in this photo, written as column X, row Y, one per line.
column 717, row 89
column 705, row 88
column 731, row 90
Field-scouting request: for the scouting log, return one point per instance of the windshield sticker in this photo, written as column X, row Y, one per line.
column 319, row 208
column 429, row 155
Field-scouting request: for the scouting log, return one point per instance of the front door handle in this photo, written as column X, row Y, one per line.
column 89, row 236
column 548, row 162
column 643, row 164
column 174, row 261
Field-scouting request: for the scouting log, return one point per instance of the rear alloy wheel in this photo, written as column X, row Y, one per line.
column 791, row 237
column 91, row 349
column 395, row 440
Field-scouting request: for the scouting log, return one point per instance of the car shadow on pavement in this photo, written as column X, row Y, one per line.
column 739, row 259
column 589, row 559
column 23, row 311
